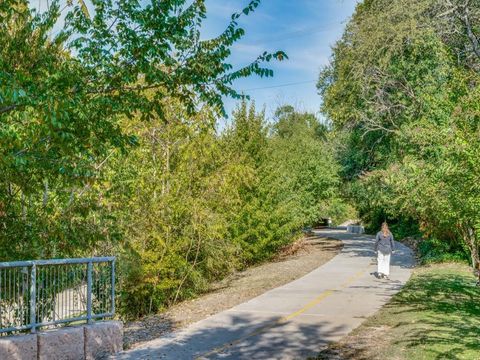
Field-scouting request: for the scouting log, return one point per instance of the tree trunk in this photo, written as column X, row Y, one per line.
column 470, row 238
column 45, row 194
column 24, row 210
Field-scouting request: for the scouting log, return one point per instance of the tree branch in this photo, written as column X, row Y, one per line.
column 8, row 108
column 470, row 34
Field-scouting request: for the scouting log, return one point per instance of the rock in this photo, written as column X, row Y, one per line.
column 62, row 344
column 19, row 347
column 103, row 339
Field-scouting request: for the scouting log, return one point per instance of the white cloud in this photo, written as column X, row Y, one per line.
column 308, row 60
column 247, row 49
column 223, row 9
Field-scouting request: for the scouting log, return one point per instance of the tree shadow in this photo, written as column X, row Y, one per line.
column 436, row 313
column 450, row 304
column 241, row 336
column 236, row 335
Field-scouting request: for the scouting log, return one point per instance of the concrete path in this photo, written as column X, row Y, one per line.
column 295, row 320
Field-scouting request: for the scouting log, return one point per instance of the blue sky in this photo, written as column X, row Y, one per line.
column 304, row 29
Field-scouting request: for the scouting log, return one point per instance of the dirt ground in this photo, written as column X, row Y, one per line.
column 358, row 345
column 294, row 262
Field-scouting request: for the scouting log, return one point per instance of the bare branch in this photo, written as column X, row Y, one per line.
column 8, row 108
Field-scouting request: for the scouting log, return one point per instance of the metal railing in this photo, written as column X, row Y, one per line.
column 46, row 293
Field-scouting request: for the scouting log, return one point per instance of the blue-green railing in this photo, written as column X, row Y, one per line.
column 46, row 293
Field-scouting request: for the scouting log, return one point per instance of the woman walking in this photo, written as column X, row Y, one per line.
column 384, row 246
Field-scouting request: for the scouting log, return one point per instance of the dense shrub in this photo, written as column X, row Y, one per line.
column 201, row 204
column 433, row 250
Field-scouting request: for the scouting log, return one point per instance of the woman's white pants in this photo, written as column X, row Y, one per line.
column 383, row 261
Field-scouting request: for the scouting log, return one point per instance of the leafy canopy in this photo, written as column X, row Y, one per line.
column 67, row 77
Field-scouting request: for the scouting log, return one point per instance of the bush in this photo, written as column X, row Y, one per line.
column 435, row 251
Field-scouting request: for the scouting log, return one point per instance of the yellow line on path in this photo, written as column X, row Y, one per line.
column 285, row 318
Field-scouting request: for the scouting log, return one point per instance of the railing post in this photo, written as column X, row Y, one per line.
column 113, row 287
column 19, row 290
column 89, row 292
column 33, row 298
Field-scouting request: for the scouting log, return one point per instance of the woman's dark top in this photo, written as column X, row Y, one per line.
column 384, row 244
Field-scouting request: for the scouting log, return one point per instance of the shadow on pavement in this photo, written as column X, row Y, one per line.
column 242, row 337
column 262, row 336
column 436, row 316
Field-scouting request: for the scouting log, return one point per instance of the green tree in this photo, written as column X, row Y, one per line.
column 68, row 80
column 302, row 166
column 400, row 92
column 246, row 141
column 172, row 197
column 294, row 177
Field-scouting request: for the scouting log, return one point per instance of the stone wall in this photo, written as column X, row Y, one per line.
column 87, row 342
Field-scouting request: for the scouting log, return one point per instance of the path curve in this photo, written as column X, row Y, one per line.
column 295, row 320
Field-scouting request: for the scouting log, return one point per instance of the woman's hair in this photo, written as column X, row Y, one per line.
column 385, row 228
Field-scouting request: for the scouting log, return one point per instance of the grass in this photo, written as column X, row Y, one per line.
column 435, row 316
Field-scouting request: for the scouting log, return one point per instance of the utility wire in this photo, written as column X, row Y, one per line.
column 294, row 34
column 280, row 85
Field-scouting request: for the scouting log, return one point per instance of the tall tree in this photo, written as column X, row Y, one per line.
column 172, row 197
column 400, row 88
column 293, row 177
column 68, row 79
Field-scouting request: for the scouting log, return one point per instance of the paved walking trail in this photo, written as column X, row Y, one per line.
column 295, row 320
